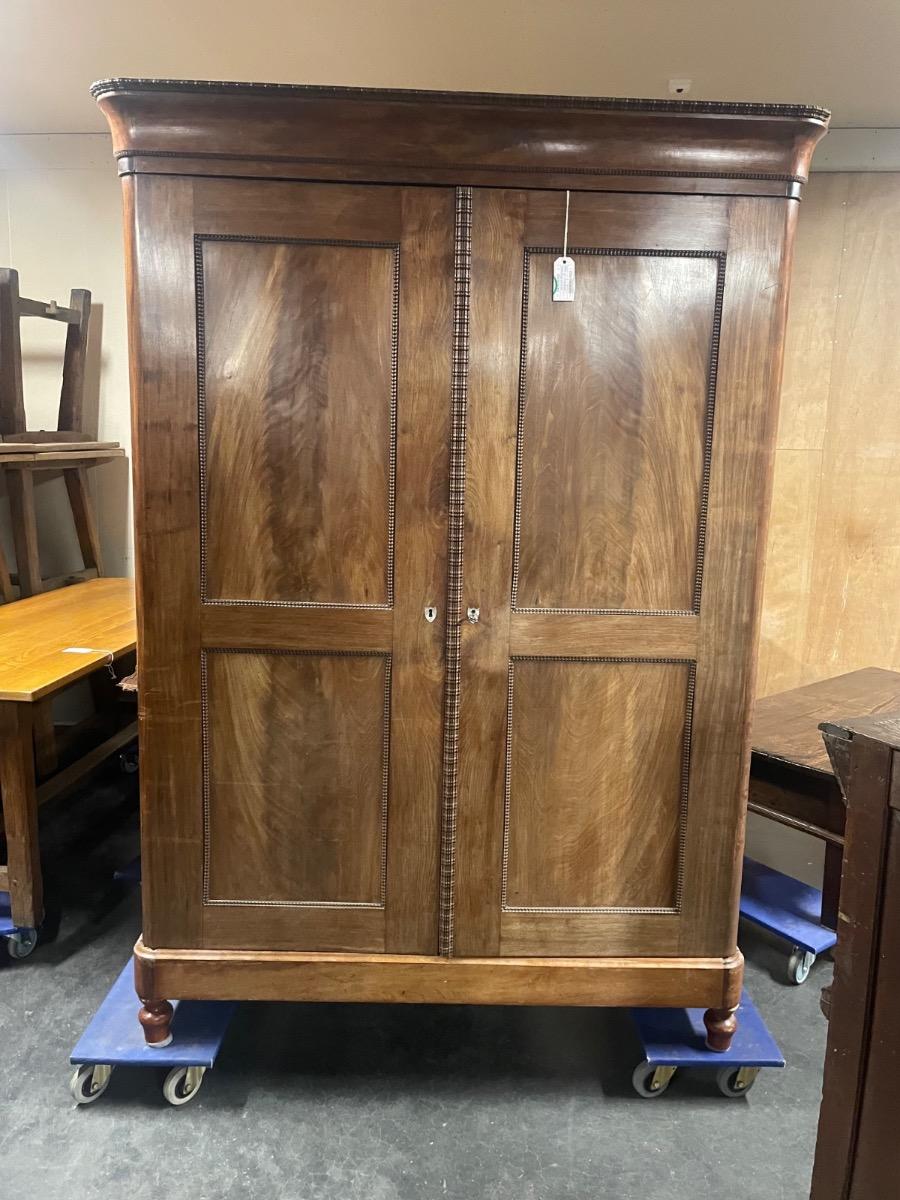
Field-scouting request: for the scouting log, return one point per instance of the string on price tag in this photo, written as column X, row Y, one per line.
column 564, row 268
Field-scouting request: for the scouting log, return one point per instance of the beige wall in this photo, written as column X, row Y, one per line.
column 60, row 227
column 833, row 577
column 832, row 598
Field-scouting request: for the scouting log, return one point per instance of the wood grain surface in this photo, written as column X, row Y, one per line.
column 460, row 138
column 96, row 617
column 595, row 795
column 833, row 564
column 323, row 371
column 661, row 468
column 297, row 759
column 302, row 439
column 299, row 373
column 615, row 389
column 409, row 979
column 786, row 725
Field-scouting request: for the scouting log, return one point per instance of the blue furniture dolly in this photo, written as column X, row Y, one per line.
column 115, row 1039
column 790, row 909
column 20, row 940
column 673, row 1038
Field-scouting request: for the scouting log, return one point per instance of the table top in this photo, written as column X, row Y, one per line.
column 49, row 641
column 786, row 726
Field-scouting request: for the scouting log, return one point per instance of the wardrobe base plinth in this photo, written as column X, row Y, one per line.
column 419, row 979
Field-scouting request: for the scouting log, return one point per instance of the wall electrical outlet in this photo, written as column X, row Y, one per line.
column 680, row 87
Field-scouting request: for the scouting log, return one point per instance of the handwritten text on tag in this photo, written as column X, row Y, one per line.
column 564, row 279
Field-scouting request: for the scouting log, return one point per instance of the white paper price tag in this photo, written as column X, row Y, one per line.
column 564, row 279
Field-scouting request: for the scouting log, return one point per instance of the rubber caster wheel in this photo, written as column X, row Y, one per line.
column 21, row 943
column 649, row 1081
column 736, row 1081
column 182, row 1084
column 89, row 1082
column 799, row 965
column 128, row 762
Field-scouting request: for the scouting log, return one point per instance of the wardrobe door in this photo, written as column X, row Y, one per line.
column 617, row 463
column 292, row 426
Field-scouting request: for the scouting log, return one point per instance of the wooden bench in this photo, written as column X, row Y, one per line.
column 47, row 642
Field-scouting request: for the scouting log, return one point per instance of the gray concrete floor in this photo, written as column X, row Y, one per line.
column 335, row 1102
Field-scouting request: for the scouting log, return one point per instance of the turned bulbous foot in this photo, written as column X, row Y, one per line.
column 155, row 1017
column 721, row 1026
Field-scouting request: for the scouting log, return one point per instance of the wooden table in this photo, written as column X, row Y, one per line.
column 47, row 642
column 791, row 777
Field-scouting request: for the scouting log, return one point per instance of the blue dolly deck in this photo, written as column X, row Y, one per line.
column 790, row 909
column 114, row 1038
column 676, row 1037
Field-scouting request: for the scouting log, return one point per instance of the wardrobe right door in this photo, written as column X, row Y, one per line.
column 618, row 455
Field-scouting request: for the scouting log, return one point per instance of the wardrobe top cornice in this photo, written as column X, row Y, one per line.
column 358, row 134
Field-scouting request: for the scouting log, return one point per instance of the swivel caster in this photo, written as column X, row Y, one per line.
column 89, row 1082
column 128, row 762
column 21, row 942
column 799, row 965
column 650, row 1081
column 182, row 1084
column 736, row 1081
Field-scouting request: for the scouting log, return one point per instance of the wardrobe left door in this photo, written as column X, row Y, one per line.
column 291, row 364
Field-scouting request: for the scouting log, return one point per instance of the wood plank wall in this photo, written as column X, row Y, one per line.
column 832, row 597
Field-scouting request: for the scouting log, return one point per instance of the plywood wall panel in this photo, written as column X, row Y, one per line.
column 815, row 284
column 832, row 600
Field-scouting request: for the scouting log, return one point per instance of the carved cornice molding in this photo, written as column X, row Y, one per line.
column 735, row 108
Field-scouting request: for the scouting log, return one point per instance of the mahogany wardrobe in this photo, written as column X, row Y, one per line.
column 448, row 585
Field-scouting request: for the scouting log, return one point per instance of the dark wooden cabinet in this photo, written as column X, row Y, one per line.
column 448, row 589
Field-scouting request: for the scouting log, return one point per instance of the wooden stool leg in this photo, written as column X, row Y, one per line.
column 19, row 798
column 20, row 487
column 6, row 589
column 85, row 519
column 831, row 884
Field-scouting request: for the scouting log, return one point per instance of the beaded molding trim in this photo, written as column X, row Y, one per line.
column 462, row 266
column 683, row 798
column 104, row 87
column 202, row 424
column 712, row 372
column 385, row 779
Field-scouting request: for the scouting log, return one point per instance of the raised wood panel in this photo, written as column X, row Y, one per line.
column 595, row 797
column 616, row 404
column 299, row 375
column 296, row 778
